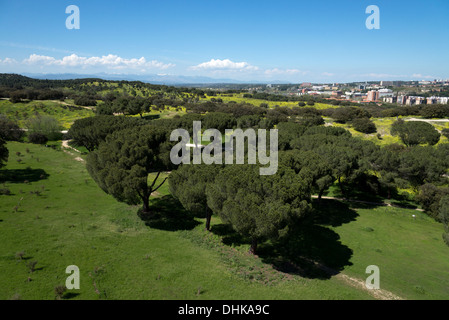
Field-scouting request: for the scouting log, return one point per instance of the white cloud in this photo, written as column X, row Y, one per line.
column 8, row 61
column 110, row 61
column 277, row 71
column 328, row 74
column 420, row 76
column 384, row 75
column 226, row 64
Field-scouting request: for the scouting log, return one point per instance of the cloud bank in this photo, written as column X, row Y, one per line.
column 110, row 61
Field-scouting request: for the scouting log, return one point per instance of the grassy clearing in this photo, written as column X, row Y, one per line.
column 271, row 104
column 383, row 126
column 410, row 253
column 65, row 114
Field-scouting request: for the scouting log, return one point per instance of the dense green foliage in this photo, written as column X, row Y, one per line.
column 4, row 153
column 189, row 184
column 415, row 132
column 46, row 126
column 364, row 125
column 259, row 207
column 9, row 130
column 121, row 165
column 90, row 132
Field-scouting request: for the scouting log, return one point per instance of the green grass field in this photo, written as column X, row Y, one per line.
column 256, row 102
column 65, row 115
column 56, row 215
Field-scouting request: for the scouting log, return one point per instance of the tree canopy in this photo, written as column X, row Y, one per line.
column 122, row 164
column 259, row 207
column 415, row 132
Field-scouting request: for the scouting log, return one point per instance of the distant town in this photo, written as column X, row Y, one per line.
column 392, row 92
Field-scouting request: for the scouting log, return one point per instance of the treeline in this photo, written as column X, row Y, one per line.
column 21, row 85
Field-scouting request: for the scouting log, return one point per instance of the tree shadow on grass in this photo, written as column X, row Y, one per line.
column 228, row 235
column 168, row 214
column 332, row 213
column 70, row 295
column 311, row 249
column 22, row 175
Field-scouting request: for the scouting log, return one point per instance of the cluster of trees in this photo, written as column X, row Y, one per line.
column 128, row 105
column 126, row 152
column 43, row 128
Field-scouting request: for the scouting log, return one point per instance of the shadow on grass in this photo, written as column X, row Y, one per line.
column 169, row 215
column 151, row 117
column 22, row 175
column 228, row 235
column 70, row 295
column 311, row 249
column 332, row 213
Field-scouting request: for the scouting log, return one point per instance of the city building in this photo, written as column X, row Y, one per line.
column 372, row 96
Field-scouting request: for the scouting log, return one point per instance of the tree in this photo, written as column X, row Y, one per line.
column 348, row 157
column 347, row 114
column 415, row 132
column 122, row 164
column 45, row 125
column 288, row 132
column 364, row 125
column 9, row 130
column 37, row 138
column 90, row 132
column 259, row 207
column 445, row 132
column 435, row 111
column 420, row 165
column 311, row 164
column 189, row 184
column 4, row 153
column 218, row 120
column 387, row 164
column 444, row 217
column 248, row 121
column 312, row 120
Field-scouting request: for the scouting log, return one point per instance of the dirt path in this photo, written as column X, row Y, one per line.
column 427, row 120
column 379, row 294
column 66, row 147
column 368, row 202
column 67, row 104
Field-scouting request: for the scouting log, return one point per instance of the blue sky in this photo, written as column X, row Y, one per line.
column 295, row 41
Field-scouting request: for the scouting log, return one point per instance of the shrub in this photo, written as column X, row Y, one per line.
column 364, row 125
column 45, row 125
column 59, row 292
column 445, row 132
column 37, row 138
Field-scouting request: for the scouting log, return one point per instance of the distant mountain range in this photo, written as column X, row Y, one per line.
column 150, row 78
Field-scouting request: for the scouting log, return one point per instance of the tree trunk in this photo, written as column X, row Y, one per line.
column 341, row 188
column 253, row 248
column 146, row 204
column 320, row 195
column 208, row 218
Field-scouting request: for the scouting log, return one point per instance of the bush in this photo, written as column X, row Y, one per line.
column 37, row 138
column 9, row 130
column 445, row 132
column 364, row 125
column 45, row 125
